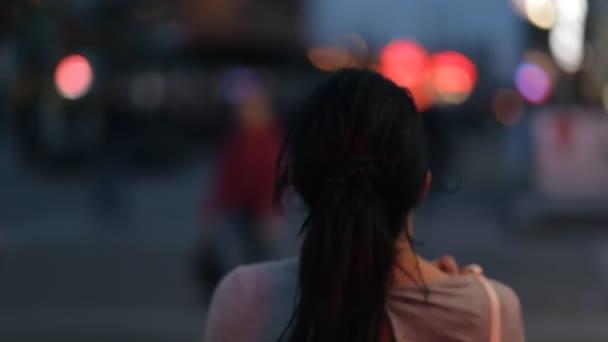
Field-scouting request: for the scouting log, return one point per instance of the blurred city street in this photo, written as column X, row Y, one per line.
column 65, row 278
column 129, row 129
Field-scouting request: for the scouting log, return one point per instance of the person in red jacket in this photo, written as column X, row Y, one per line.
column 244, row 180
column 239, row 211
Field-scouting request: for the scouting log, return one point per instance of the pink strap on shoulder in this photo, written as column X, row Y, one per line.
column 495, row 319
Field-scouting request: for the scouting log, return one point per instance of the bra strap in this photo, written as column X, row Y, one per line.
column 495, row 319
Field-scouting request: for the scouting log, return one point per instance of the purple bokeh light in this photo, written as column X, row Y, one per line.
column 533, row 82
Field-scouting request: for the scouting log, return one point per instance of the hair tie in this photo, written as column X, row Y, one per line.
column 356, row 167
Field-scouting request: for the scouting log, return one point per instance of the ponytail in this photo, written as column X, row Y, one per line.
column 345, row 264
column 357, row 215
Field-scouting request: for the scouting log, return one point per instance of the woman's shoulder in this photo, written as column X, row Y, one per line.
column 460, row 303
column 508, row 297
column 511, row 319
column 249, row 298
column 264, row 272
column 257, row 282
column 510, row 311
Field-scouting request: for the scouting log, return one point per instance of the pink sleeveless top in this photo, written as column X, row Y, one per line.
column 255, row 303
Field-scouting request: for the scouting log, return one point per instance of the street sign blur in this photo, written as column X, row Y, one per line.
column 570, row 154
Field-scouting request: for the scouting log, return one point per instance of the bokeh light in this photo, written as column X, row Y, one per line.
column 567, row 47
column 541, row 13
column 572, row 10
column 73, row 76
column 404, row 62
column 508, row 106
column 447, row 77
column 533, row 83
column 567, row 38
column 350, row 50
column 543, row 60
column 422, row 97
column 453, row 76
column 330, row 58
column 407, row 64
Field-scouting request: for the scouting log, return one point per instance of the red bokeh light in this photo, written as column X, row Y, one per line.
column 73, row 76
column 404, row 62
column 453, row 73
column 447, row 76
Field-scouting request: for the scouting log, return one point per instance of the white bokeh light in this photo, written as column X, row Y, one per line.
column 541, row 13
column 567, row 49
column 567, row 38
column 571, row 10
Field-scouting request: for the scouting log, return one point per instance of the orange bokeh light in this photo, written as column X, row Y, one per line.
column 349, row 51
column 330, row 58
column 455, row 71
column 451, row 79
column 453, row 76
column 73, row 76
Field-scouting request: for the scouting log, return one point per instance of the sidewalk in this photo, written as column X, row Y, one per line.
column 66, row 279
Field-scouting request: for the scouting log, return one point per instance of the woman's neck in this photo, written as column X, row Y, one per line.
column 411, row 269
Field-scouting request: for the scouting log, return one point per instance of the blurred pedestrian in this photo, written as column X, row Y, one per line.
column 110, row 190
column 239, row 211
column 358, row 159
